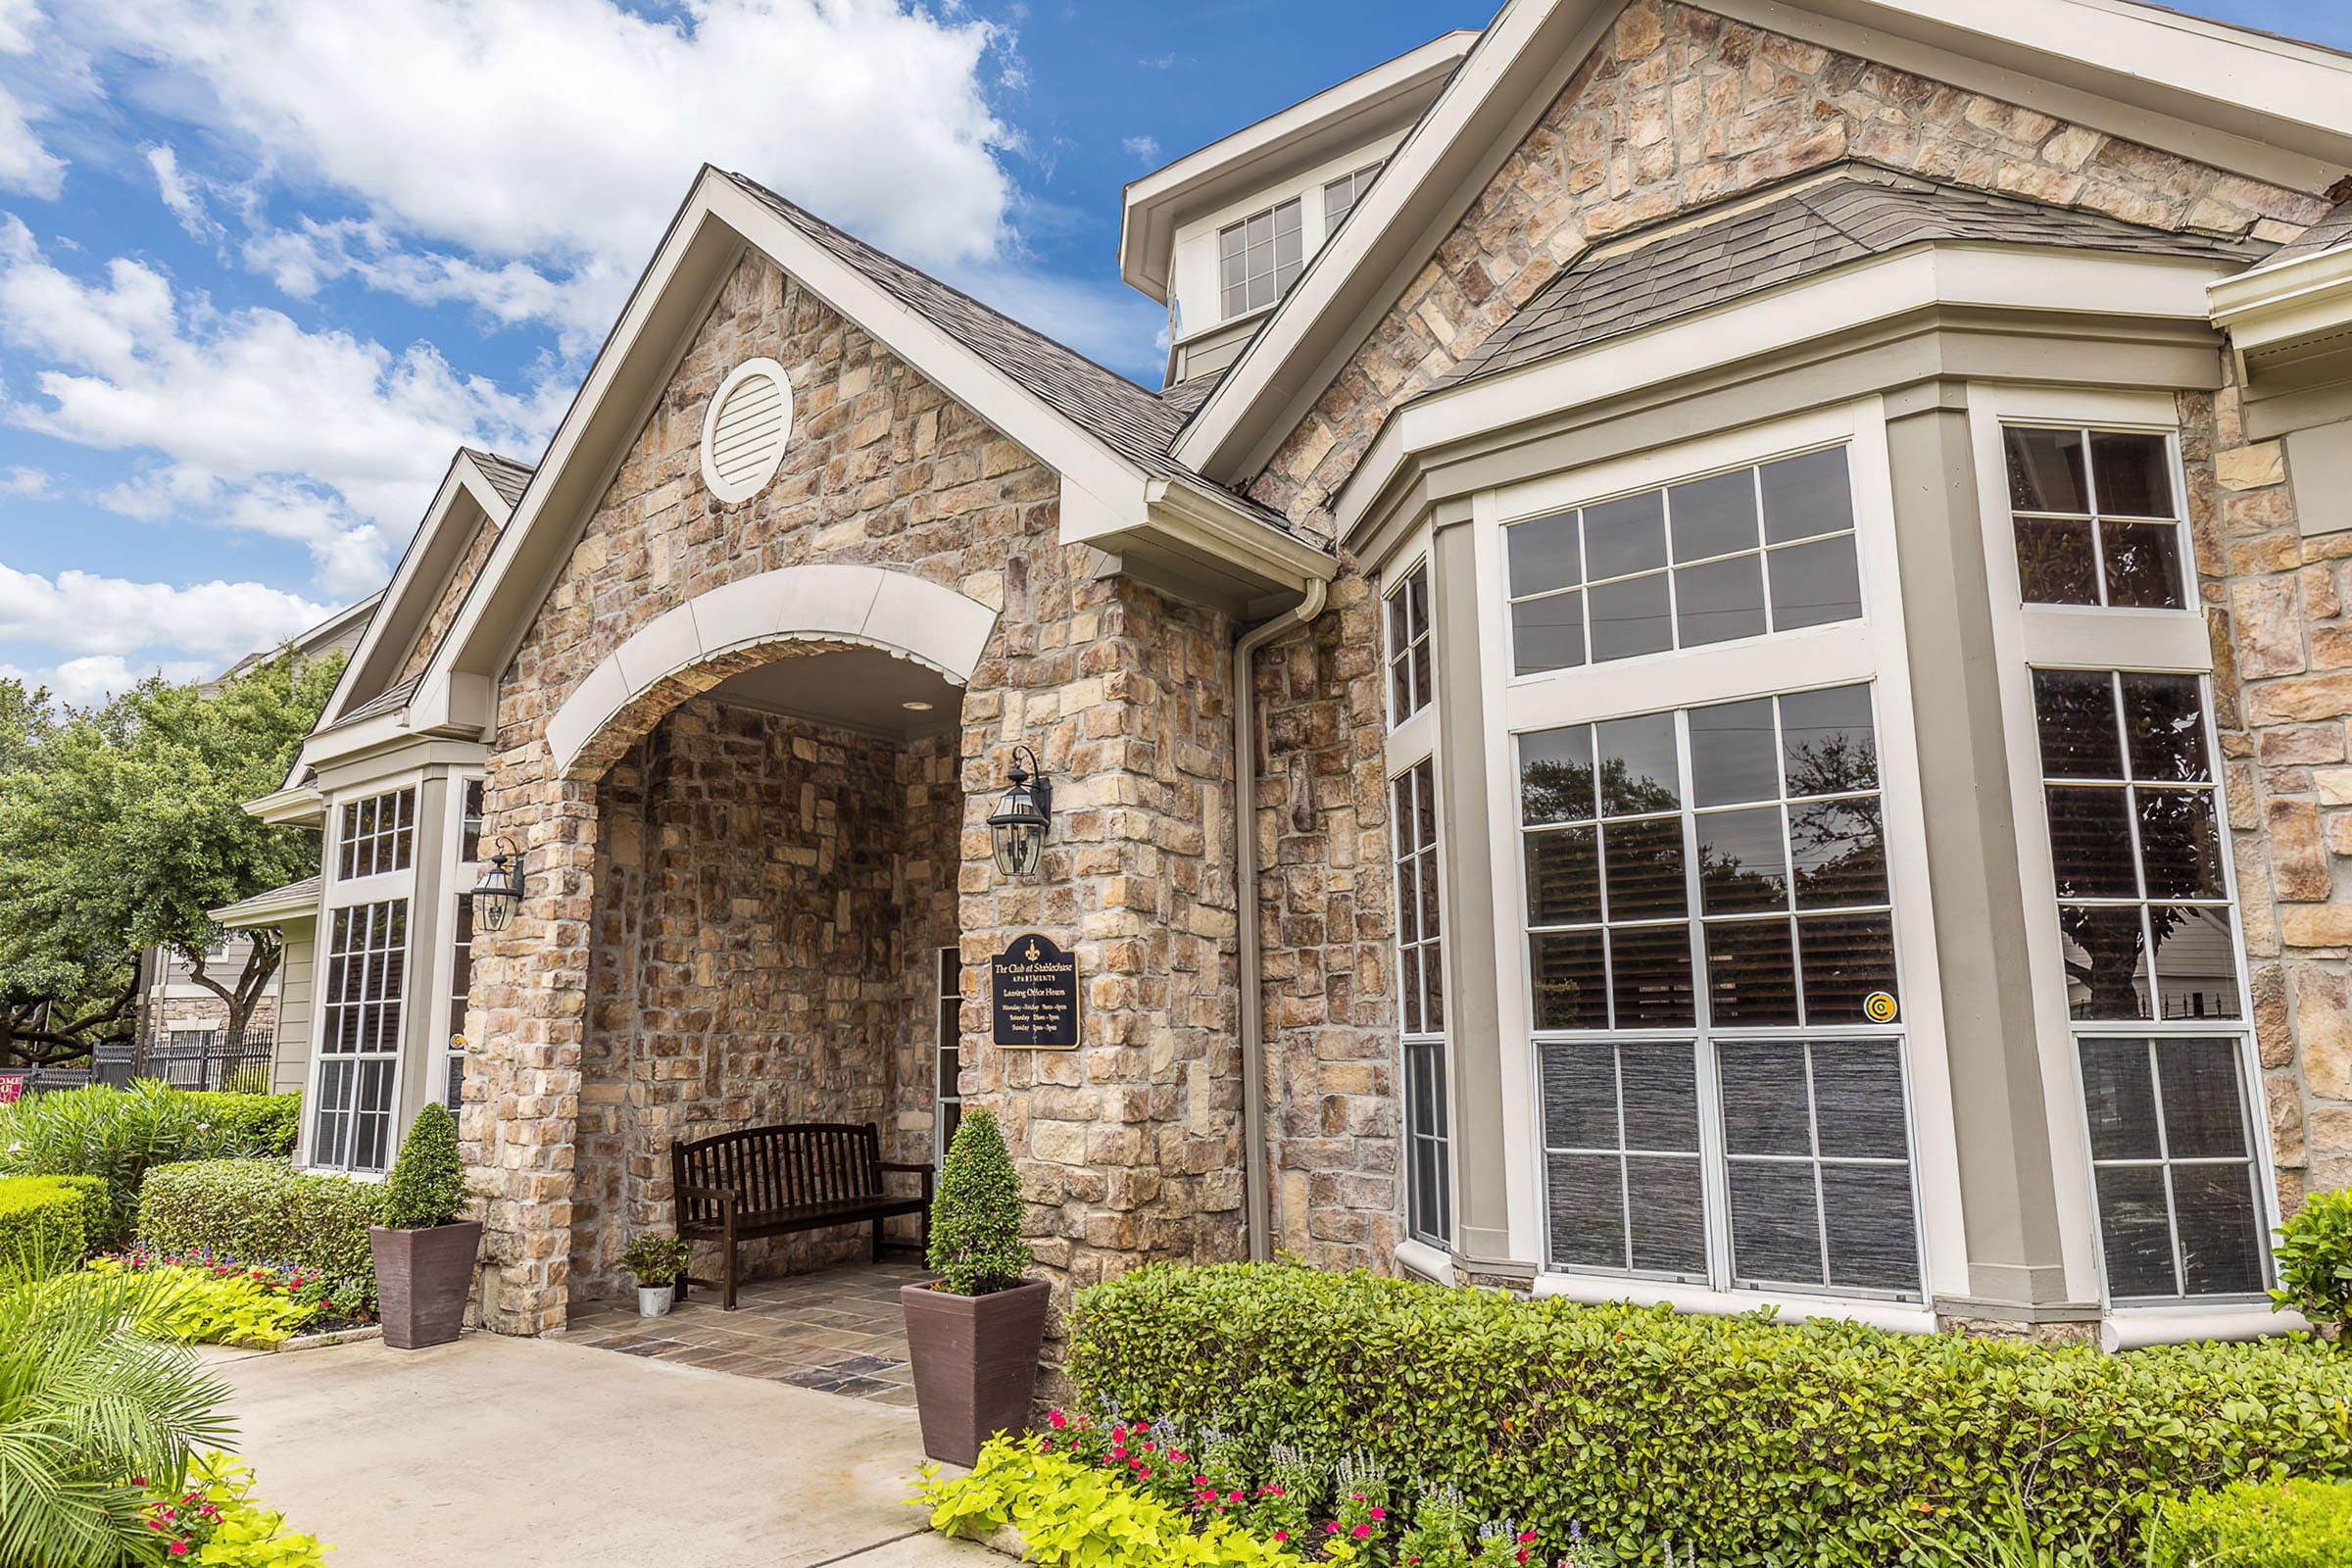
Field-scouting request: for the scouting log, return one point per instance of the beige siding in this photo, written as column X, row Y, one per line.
column 294, row 1025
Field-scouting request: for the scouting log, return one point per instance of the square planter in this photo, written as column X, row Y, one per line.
column 975, row 1363
column 423, row 1280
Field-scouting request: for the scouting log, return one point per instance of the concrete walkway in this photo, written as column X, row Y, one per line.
column 529, row 1452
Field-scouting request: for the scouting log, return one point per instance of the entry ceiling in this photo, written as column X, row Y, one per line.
column 858, row 688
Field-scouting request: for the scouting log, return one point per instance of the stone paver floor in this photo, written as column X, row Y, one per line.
column 838, row 1330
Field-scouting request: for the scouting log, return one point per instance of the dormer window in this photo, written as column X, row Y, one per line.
column 1260, row 257
column 1341, row 195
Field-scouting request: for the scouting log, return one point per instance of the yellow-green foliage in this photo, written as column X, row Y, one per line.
column 2258, row 1524
column 215, row 1516
column 48, row 1222
column 1746, row 1442
column 1073, row 1515
column 207, row 1308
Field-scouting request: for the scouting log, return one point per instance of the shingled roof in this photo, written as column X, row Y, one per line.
column 2331, row 233
column 1850, row 214
column 506, row 475
column 1137, row 424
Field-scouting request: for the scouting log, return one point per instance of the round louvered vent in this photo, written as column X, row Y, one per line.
column 745, row 430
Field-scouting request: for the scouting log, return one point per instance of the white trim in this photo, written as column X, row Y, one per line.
column 2135, row 1328
column 2281, row 306
column 1897, row 1316
column 1420, row 1261
column 747, row 485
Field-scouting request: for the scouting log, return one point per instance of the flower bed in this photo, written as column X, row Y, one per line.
column 213, row 1520
column 225, row 1300
column 1741, row 1440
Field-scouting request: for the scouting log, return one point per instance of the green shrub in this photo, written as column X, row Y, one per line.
column 259, row 1212
column 427, row 1184
column 254, row 1124
column 46, row 1222
column 118, row 1134
column 976, row 1219
column 2315, row 1262
column 1744, row 1440
column 655, row 1259
column 2258, row 1524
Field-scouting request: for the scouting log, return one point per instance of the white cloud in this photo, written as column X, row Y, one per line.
column 25, row 164
column 179, row 194
column 90, row 680
column 1146, row 148
column 260, row 424
column 28, row 484
column 83, row 613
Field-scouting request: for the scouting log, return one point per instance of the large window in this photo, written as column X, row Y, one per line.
column 379, row 834
column 1408, row 646
column 1260, row 257
column 1421, row 1004
column 1713, row 996
column 2097, row 516
column 1758, row 550
column 359, row 1046
column 2150, row 955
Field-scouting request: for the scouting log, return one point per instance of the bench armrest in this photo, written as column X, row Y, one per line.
column 917, row 1167
column 724, row 1197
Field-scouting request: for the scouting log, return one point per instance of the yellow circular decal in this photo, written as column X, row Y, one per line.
column 1879, row 1007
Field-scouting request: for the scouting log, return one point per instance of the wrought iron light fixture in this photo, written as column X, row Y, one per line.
column 1024, row 814
column 500, row 890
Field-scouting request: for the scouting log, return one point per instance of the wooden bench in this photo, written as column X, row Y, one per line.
column 770, row 1180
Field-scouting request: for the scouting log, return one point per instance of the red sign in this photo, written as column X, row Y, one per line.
column 12, row 1088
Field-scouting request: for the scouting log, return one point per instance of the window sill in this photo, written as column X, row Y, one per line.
column 1901, row 1318
column 1425, row 1262
column 2133, row 1328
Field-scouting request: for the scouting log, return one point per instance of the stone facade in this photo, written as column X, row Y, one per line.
column 1128, row 1148
column 2276, row 597
column 453, row 598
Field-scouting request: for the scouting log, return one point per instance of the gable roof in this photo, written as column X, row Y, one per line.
column 506, row 475
column 2274, row 109
column 1824, row 220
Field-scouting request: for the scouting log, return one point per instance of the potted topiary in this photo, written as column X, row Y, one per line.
column 974, row 1332
column 423, row 1253
column 658, row 1262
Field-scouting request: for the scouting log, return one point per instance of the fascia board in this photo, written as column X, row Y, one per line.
column 299, row 806
column 2281, row 304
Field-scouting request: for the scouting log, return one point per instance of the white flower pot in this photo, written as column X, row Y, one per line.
column 653, row 1301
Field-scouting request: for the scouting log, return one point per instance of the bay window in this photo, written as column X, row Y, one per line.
column 2097, row 516
column 358, row 1039
column 1421, row 1004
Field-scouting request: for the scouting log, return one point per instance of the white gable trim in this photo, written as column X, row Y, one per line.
column 2123, row 66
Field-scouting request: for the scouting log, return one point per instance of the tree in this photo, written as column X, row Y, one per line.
column 123, row 825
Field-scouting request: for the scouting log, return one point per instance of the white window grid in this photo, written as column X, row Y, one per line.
column 378, row 835
column 1702, row 1035
column 1260, row 257
column 2184, row 554
column 359, row 1042
column 1421, row 1004
column 1341, row 195
column 460, row 992
column 1675, row 566
column 948, row 1089
column 1411, row 655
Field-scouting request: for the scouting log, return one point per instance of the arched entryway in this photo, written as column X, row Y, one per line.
column 775, row 771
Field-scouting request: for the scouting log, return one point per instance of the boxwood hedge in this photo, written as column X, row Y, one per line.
column 253, row 1124
column 1748, row 1443
column 47, row 1222
column 259, row 1212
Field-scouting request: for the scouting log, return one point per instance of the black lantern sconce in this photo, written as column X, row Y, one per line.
column 1024, row 814
column 500, row 890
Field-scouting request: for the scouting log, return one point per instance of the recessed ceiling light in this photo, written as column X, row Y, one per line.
column 916, row 707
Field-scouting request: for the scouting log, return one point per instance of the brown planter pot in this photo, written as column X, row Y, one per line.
column 975, row 1363
column 422, row 1279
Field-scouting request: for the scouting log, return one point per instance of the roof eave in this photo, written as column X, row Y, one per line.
column 294, row 805
column 2284, row 312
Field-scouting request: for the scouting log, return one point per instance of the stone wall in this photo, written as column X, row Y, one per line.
column 2275, row 598
column 1127, row 1148
column 453, row 598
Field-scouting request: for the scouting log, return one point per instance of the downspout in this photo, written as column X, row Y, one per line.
column 1254, row 1189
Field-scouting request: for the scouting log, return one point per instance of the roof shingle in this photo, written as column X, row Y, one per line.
column 507, row 477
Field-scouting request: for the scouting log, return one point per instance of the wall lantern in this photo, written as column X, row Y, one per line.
column 1022, row 817
column 500, row 890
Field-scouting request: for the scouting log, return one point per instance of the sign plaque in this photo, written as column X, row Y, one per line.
column 1033, row 995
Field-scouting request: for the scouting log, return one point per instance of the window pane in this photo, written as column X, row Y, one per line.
column 1547, row 634
column 1766, row 1108
column 1845, row 958
column 2106, row 976
column 1874, row 1244
column 1543, row 554
column 2045, row 471
column 2057, row 561
column 1840, row 851
column 1644, row 868
column 2179, row 847
column 2136, row 1232
column 2221, row 1229
column 1720, row 600
column 2133, row 473
column 1669, row 1215
column 1555, row 776
column 1563, row 877
column 1858, row 1100
column 2165, row 719
column 1631, row 618
column 1807, row 495
column 2090, row 843
column 1714, row 516
column 1743, row 864
column 1580, row 1097
column 1776, row 1223
column 1660, row 1088
column 1651, row 974
column 2196, row 962
column 1815, row 584
column 2204, row 1117
column 2073, row 711
column 1829, row 741
column 1734, row 754
column 1625, row 536
column 2143, row 565
column 1752, row 973
column 1638, row 770
column 1571, row 986
column 1587, row 1210
column 2120, row 1094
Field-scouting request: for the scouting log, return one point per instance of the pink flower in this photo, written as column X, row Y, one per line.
column 1331, row 1528
column 1282, row 1535
column 1379, row 1512
column 1360, row 1532
column 179, row 1548
column 1058, row 1420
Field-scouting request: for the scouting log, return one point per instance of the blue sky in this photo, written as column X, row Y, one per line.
column 265, row 263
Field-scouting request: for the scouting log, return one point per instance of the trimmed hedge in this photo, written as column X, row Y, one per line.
column 1748, row 1442
column 120, row 1134
column 2258, row 1524
column 263, row 1125
column 47, row 1222
column 257, row 1211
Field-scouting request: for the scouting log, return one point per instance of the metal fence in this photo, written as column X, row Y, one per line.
column 187, row 1059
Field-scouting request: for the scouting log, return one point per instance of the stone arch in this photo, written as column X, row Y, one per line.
column 694, row 646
